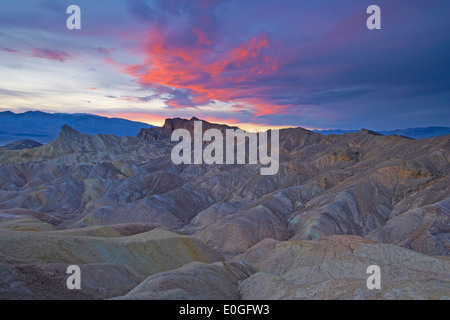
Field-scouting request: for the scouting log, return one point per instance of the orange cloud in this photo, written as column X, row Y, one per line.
column 206, row 74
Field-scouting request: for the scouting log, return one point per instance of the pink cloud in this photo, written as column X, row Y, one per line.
column 56, row 55
column 9, row 49
column 208, row 74
column 106, row 51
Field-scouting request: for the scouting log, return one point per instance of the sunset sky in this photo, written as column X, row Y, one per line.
column 252, row 63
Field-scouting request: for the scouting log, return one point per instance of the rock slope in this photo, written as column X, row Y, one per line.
column 101, row 197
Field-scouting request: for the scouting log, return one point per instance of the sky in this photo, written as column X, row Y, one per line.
column 251, row 63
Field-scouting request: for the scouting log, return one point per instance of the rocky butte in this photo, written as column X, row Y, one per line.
column 214, row 153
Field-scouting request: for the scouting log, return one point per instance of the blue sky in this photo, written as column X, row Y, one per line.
column 249, row 63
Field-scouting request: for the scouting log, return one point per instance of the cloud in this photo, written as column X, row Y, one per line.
column 105, row 51
column 16, row 93
column 140, row 10
column 200, row 71
column 56, row 55
column 308, row 63
column 9, row 49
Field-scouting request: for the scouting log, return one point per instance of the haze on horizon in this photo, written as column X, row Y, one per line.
column 249, row 63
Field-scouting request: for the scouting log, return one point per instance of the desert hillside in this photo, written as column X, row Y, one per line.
column 141, row 227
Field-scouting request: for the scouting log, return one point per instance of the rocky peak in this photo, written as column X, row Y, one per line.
column 70, row 135
column 159, row 133
column 176, row 123
column 67, row 130
column 367, row 131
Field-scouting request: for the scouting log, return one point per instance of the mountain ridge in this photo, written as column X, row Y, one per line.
column 414, row 133
column 44, row 127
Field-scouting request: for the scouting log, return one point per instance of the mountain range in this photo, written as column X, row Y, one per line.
column 141, row 227
column 44, row 127
column 415, row 133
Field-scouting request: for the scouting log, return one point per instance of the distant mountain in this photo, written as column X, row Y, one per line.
column 44, row 127
column 22, row 144
column 327, row 132
column 415, row 133
column 419, row 133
